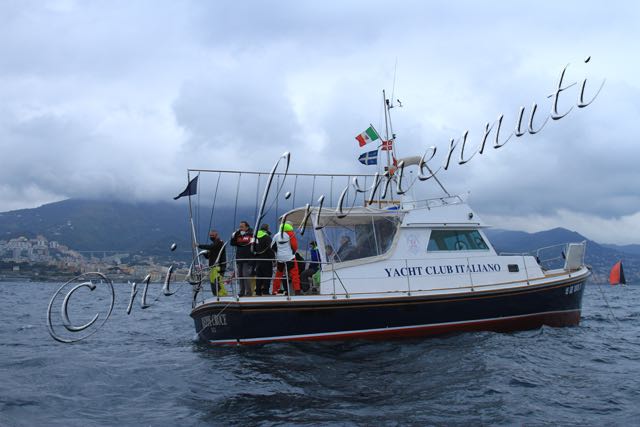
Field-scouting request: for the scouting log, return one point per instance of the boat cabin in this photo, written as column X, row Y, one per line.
column 418, row 246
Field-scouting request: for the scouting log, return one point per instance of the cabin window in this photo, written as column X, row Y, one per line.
column 456, row 240
column 357, row 237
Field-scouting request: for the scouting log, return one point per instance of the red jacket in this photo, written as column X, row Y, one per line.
column 294, row 241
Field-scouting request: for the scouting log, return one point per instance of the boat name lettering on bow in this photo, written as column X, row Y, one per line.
column 214, row 320
column 431, row 270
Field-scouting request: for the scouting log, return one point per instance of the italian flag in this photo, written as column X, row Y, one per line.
column 367, row 136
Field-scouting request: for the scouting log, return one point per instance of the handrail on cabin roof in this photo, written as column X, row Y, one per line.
column 282, row 173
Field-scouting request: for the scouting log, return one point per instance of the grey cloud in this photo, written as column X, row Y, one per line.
column 580, row 163
column 235, row 108
column 115, row 98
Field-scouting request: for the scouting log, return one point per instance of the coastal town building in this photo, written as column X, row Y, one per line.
column 49, row 259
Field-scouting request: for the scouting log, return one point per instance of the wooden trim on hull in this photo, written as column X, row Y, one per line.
column 503, row 324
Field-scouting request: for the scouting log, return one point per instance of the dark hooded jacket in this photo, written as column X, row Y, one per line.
column 214, row 249
column 242, row 244
column 262, row 247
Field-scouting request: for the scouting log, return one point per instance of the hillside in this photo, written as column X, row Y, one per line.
column 600, row 257
column 627, row 249
column 96, row 225
column 99, row 225
column 150, row 228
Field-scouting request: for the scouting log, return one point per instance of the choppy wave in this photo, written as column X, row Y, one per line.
column 145, row 369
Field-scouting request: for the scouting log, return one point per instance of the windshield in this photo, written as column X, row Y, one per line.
column 359, row 237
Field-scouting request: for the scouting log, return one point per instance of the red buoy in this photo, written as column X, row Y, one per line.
column 616, row 276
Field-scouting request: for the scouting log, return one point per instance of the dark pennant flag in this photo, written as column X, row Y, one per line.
column 191, row 189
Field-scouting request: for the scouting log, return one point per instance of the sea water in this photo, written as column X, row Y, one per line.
column 145, row 369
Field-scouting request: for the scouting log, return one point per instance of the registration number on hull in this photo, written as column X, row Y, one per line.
column 572, row 289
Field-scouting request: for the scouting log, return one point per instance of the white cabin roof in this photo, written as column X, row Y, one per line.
column 432, row 213
column 446, row 215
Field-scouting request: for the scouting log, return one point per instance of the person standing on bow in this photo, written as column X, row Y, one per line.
column 216, row 254
column 264, row 260
column 286, row 246
column 242, row 239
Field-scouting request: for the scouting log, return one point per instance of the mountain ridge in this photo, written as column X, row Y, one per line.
column 149, row 228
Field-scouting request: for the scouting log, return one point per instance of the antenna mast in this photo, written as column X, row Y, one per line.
column 387, row 121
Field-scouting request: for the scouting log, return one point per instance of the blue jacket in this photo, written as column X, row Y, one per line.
column 315, row 259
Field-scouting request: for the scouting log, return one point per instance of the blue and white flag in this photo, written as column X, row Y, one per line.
column 369, row 158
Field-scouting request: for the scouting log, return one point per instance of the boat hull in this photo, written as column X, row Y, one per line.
column 255, row 322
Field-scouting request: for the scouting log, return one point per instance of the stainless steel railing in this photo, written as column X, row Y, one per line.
column 548, row 257
column 336, row 286
column 552, row 257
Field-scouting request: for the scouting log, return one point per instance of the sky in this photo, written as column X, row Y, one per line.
column 116, row 99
